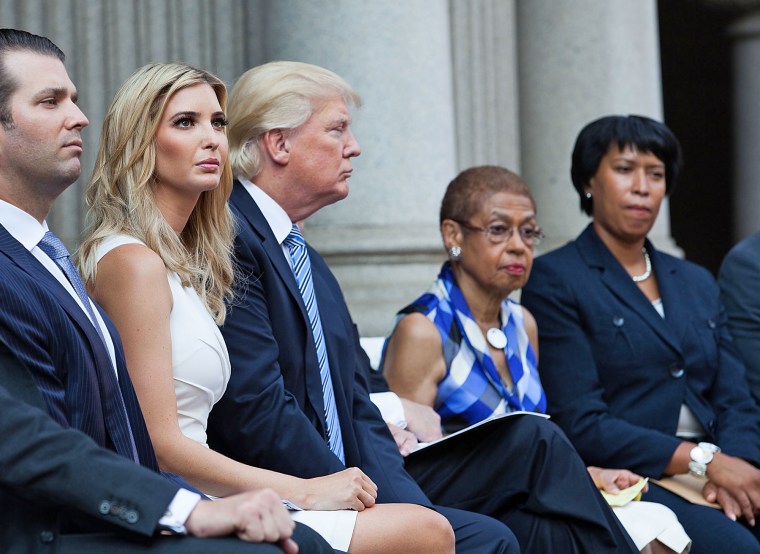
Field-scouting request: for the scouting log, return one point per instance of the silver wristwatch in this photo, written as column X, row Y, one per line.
column 701, row 455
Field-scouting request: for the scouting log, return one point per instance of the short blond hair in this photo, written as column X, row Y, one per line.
column 277, row 95
column 120, row 192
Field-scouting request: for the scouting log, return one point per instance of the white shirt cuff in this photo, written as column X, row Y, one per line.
column 390, row 407
column 179, row 510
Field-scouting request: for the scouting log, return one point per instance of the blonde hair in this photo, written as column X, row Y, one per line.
column 276, row 95
column 120, row 193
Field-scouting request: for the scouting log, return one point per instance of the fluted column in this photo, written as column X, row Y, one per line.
column 382, row 241
column 746, row 57
column 105, row 42
column 484, row 54
column 579, row 61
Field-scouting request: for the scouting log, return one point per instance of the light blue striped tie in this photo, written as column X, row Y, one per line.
column 302, row 271
column 115, row 410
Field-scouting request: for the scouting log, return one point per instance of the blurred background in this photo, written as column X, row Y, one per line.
column 448, row 84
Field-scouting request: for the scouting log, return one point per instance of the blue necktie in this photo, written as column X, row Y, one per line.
column 115, row 411
column 302, row 271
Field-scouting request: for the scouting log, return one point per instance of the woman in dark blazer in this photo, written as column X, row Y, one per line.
column 636, row 360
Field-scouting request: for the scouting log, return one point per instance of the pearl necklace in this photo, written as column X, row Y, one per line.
column 647, row 272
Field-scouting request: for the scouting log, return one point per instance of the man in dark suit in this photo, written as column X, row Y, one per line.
column 739, row 281
column 51, row 477
column 71, row 352
column 290, row 133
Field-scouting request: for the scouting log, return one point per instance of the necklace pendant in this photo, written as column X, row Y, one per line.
column 496, row 338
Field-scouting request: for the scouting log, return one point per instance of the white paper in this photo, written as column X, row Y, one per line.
column 422, row 445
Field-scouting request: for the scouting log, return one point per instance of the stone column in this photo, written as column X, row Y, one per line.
column 484, row 53
column 579, row 61
column 382, row 242
column 746, row 123
column 105, row 42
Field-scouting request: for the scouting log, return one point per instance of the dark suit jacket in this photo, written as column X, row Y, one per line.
column 739, row 281
column 272, row 413
column 52, row 336
column 50, row 475
column 616, row 373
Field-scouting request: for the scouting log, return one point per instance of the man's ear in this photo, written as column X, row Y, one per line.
column 277, row 146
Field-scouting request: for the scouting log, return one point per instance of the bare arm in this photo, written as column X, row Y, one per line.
column 414, row 363
column 132, row 287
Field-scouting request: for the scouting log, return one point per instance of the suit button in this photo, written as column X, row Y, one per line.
column 105, row 507
column 618, row 321
column 47, row 536
column 131, row 516
column 676, row 372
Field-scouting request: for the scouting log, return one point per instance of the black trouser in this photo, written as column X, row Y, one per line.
column 523, row 471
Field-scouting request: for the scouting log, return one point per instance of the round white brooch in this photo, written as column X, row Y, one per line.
column 496, row 338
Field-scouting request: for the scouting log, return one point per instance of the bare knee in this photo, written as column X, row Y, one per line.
column 402, row 529
column 438, row 531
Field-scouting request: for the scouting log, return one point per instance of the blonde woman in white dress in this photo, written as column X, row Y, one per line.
column 157, row 257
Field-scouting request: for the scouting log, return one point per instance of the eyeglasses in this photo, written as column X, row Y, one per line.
column 498, row 234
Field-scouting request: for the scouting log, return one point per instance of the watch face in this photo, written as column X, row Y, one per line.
column 700, row 455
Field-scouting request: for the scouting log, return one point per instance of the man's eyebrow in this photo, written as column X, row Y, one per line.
column 58, row 92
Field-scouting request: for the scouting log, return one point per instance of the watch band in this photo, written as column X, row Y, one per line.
column 701, row 455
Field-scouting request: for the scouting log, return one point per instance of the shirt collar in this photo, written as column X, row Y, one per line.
column 276, row 217
column 22, row 226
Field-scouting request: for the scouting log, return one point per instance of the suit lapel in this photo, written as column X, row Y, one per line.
column 253, row 216
column 145, row 452
column 114, row 418
column 619, row 283
column 672, row 291
column 26, row 261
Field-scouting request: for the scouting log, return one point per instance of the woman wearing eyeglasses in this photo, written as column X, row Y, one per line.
column 470, row 352
column 488, row 226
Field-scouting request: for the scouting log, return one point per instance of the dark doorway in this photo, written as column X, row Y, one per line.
column 697, row 81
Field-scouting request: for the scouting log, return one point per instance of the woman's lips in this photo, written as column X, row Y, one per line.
column 639, row 210
column 211, row 164
column 515, row 269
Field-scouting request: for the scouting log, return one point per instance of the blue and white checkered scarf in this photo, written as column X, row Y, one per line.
column 472, row 389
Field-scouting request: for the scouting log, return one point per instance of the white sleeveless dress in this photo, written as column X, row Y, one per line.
column 201, row 369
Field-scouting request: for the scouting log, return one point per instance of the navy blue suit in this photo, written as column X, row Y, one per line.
column 55, row 339
column 616, row 373
column 59, row 490
column 739, row 281
column 272, row 413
